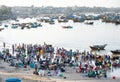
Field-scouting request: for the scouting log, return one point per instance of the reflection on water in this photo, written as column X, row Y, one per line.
column 80, row 37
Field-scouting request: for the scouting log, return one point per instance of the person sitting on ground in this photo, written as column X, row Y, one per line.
column 49, row 73
column 11, row 62
column 62, row 69
column 41, row 72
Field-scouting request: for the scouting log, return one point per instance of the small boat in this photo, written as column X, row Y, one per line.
column 51, row 23
column 14, row 26
column 78, row 19
column 5, row 25
column 67, row 27
column 39, row 25
column 89, row 23
column 25, row 25
column 115, row 51
column 1, row 29
column 98, row 47
column 117, row 22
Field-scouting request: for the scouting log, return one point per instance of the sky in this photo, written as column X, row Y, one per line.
column 62, row 3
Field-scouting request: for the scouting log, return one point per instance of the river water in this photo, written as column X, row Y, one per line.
column 80, row 37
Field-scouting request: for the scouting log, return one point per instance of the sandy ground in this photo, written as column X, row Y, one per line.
column 26, row 75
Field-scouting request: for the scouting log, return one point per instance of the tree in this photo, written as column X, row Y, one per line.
column 4, row 10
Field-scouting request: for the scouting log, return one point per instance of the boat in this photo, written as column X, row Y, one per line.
column 67, row 27
column 5, row 25
column 14, row 26
column 51, row 23
column 115, row 51
column 25, row 25
column 77, row 19
column 62, row 19
column 89, row 23
column 117, row 22
column 1, row 29
column 39, row 25
column 98, row 47
column 33, row 25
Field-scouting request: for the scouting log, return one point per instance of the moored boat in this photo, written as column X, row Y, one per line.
column 98, row 47
column 115, row 51
column 77, row 19
column 67, row 27
column 51, row 23
column 117, row 22
column 14, row 26
column 1, row 29
column 89, row 23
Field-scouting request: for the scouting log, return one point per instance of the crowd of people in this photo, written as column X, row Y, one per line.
column 46, row 57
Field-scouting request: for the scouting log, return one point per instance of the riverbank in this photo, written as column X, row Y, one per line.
column 26, row 75
column 60, row 63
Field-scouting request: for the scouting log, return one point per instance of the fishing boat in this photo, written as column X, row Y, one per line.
column 77, row 19
column 51, row 23
column 89, row 23
column 62, row 19
column 25, row 25
column 1, row 29
column 14, row 26
column 98, row 47
column 117, row 22
column 33, row 25
column 67, row 27
column 115, row 51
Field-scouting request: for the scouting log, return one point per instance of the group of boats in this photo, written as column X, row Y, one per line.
column 38, row 23
column 102, row 47
column 21, row 25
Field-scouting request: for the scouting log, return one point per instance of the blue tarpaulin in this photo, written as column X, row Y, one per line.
column 12, row 80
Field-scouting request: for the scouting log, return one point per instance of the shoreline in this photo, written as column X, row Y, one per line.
column 23, row 72
column 27, row 76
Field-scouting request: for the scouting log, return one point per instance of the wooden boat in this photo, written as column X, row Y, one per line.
column 89, row 23
column 67, row 27
column 63, row 20
column 14, row 26
column 117, row 22
column 25, row 25
column 115, row 51
column 51, row 23
column 1, row 29
column 78, row 19
column 98, row 47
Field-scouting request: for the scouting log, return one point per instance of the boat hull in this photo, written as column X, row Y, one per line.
column 115, row 51
column 98, row 47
